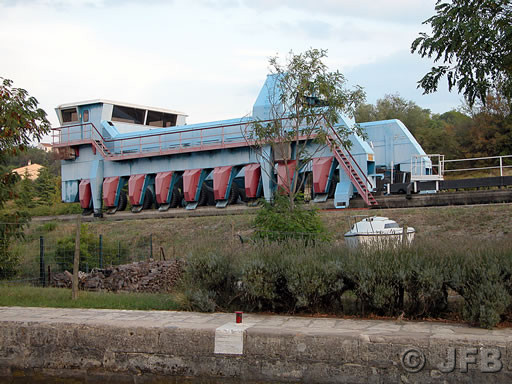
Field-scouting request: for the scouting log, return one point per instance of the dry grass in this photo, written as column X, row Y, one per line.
column 180, row 237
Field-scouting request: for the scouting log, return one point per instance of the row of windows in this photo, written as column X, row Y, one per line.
column 126, row 115
column 137, row 116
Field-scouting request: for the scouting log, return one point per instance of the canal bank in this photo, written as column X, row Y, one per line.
column 151, row 346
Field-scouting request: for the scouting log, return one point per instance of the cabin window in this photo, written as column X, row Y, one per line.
column 85, row 116
column 160, row 119
column 391, row 225
column 69, row 115
column 128, row 115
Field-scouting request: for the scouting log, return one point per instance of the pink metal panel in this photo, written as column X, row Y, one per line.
column 321, row 170
column 285, row 173
column 220, row 181
column 162, row 185
column 135, row 184
column 84, row 193
column 190, row 181
column 252, row 179
column 109, row 190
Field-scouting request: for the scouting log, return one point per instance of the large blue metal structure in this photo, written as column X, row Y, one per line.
column 106, row 146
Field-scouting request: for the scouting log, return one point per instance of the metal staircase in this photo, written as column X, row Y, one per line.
column 350, row 166
column 100, row 144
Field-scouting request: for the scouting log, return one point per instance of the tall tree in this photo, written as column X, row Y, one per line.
column 394, row 107
column 306, row 98
column 491, row 131
column 26, row 192
column 473, row 39
column 434, row 133
column 45, row 186
column 21, row 121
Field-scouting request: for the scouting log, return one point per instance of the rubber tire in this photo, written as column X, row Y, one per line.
column 123, row 201
column 148, row 199
column 243, row 195
column 175, row 198
column 207, row 187
column 332, row 189
column 87, row 211
column 233, row 194
column 209, row 194
column 203, row 197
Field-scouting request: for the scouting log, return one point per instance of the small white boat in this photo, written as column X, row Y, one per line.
column 379, row 231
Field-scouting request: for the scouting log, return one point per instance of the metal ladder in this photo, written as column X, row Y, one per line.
column 350, row 166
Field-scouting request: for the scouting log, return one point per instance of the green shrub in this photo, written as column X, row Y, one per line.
column 65, row 250
column 48, row 227
column 378, row 276
column 426, row 284
column 289, row 277
column 201, row 300
column 315, row 282
column 479, row 278
column 262, row 284
column 210, row 279
column 11, row 228
column 278, row 221
column 113, row 253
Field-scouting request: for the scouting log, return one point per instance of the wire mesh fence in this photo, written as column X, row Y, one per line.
column 32, row 257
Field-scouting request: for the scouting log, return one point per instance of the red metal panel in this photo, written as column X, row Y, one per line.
column 285, row 173
column 109, row 190
column 135, row 184
column 162, row 185
column 190, row 181
column 84, row 193
column 252, row 179
column 220, row 181
column 321, row 170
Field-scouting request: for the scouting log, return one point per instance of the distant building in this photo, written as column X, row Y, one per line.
column 32, row 170
column 47, row 147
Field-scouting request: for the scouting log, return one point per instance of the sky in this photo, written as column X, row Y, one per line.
column 207, row 58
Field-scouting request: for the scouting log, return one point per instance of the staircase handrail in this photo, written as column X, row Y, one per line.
column 91, row 139
column 342, row 147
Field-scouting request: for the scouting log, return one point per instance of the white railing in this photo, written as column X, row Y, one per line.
column 499, row 164
column 427, row 167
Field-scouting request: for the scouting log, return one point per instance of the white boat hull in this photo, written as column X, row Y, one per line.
column 379, row 239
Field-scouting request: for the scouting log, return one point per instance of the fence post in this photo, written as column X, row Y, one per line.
column 119, row 252
column 76, row 259
column 151, row 246
column 501, row 166
column 42, row 278
column 100, row 252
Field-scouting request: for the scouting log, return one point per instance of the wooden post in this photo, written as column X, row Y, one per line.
column 42, row 278
column 100, row 252
column 76, row 260
column 404, row 236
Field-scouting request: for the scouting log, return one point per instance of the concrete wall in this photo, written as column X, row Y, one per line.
column 273, row 348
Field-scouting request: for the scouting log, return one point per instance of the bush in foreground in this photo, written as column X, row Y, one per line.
column 289, row 277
